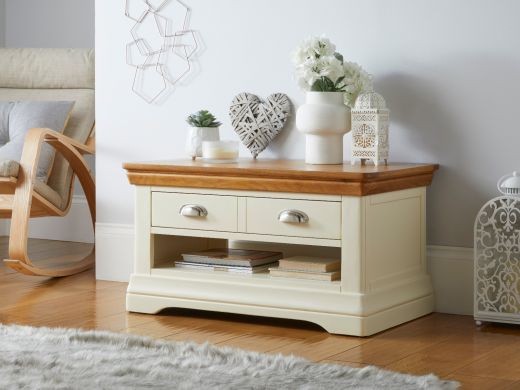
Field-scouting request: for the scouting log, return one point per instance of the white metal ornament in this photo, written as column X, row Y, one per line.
column 497, row 256
column 258, row 122
column 370, row 122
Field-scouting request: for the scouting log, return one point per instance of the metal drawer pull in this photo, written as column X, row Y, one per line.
column 193, row 210
column 293, row 216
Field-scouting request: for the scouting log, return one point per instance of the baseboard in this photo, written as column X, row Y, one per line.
column 451, row 267
column 114, row 251
column 75, row 226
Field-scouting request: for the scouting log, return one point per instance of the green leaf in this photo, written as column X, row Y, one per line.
column 324, row 84
column 339, row 57
column 203, row 118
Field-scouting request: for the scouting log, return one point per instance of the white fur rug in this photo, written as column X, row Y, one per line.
column 41, row 358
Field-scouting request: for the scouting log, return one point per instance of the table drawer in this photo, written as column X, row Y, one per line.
column 289, row 217
column 194, row 211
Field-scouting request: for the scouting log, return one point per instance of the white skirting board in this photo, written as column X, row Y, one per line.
column 114, row 251
column 75, row 226
column 451, row 267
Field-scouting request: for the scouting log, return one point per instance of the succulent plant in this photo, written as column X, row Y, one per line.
column 203, row 118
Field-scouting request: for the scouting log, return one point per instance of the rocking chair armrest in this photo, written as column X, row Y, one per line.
column 52, row 137
column 70, row 149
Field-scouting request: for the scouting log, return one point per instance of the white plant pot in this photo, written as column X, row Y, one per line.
column 324, row 119
column 196, row 135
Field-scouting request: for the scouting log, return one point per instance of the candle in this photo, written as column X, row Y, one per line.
column 220, row 151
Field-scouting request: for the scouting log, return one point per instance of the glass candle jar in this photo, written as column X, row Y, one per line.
column 220, row 151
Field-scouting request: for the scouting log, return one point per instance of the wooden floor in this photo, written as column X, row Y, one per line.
column 447, row 345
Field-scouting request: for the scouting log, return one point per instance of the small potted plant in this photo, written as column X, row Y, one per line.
column 332, row 86
column 204, row 127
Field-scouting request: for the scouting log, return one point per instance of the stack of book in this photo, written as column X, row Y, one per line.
column 304, row 267
column 231, row 260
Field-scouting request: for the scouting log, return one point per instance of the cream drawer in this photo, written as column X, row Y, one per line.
column 289, row 217
column 194, row 211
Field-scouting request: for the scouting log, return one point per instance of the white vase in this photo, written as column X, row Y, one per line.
column 324, row 119
column 196, row 135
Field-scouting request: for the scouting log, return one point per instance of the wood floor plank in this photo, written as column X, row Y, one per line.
column 403, row 341
column 480, row 383
column 162, row 326
column 502, row 363
column 258, row 342
column 116, row 322
column 448, row 356
column 201, row 336
column 320, row 347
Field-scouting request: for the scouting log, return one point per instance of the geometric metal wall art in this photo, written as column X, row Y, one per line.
column 162, row 46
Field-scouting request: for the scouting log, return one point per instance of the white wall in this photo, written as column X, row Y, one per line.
column 49, row 23
column 2, row 23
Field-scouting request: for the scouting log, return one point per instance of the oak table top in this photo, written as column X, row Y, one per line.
column 282, row 176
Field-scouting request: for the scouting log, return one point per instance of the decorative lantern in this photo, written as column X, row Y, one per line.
column 497, row 255
column 370, row 121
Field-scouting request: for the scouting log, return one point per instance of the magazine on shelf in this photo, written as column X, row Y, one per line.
column 232, row 257
column 225, row 268
column 285, row 273
column 310, row 264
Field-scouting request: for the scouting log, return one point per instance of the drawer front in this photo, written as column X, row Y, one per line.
column 219, row 212
column 288, row 217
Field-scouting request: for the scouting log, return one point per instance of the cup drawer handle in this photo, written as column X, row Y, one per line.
column 193, row 210
column 293, row 216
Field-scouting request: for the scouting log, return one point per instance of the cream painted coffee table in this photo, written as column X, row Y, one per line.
column 374, row 218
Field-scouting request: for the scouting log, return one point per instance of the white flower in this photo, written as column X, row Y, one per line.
column 323, row 46
column 330, row 67
column 313, row 48
column 313, row 69
column 357, row 80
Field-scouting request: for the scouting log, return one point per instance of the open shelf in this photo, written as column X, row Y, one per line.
column 168, row 248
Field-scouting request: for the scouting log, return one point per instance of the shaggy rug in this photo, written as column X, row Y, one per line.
column 41, row 358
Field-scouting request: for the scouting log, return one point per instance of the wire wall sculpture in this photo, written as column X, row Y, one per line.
column 161, row 50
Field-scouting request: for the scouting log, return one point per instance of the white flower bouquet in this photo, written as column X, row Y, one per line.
column 320, row 68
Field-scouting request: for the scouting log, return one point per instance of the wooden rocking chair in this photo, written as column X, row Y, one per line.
column 48, row 74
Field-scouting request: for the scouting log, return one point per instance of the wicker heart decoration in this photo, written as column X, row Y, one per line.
column 258, row 122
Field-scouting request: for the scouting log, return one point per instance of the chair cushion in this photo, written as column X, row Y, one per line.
column 48, row 193
column 16, row 118
column 9, row 168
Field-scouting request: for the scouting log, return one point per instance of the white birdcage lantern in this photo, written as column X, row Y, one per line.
column 370, row 122
column 497, row 255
